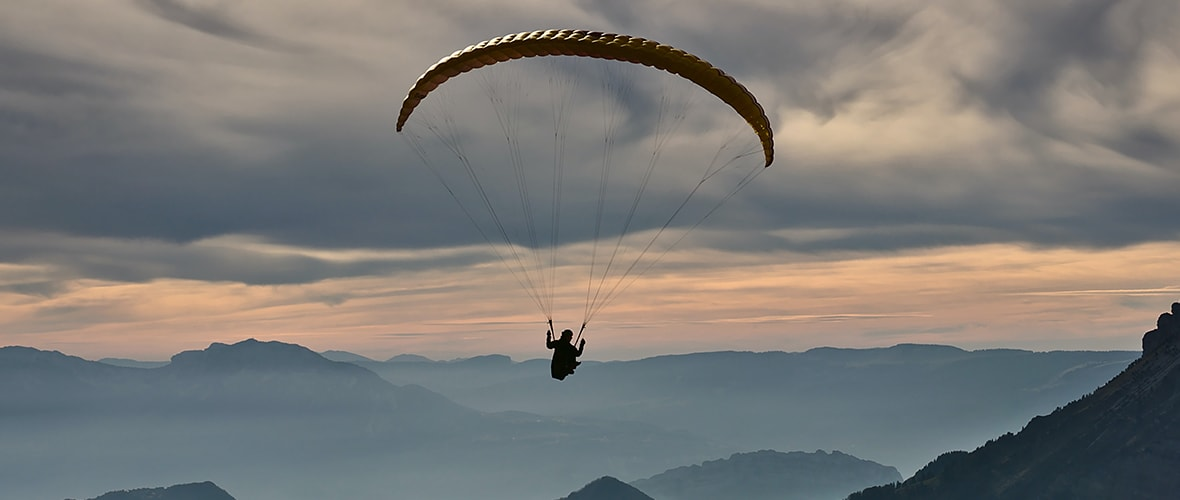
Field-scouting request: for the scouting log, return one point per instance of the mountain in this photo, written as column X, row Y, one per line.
column 261, row 378
column 1121, row 441
column 902, row 405
column 607, row 488
column 36, row 383
column 132, row 363
column 192, row 491
column 271, row 421
column 409, row 358
column 345, row 356
column 768, row 474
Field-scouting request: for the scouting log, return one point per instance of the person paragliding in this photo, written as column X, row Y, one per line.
column 527, row 196
column 565, row 355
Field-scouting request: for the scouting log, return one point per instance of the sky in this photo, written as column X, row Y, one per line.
column 989, row 174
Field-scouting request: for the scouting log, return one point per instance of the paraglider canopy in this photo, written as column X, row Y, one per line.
column 597, row 45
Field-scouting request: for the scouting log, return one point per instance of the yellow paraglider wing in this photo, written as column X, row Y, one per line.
column 602, row 46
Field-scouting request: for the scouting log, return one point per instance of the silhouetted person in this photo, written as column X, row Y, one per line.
column 565, row 355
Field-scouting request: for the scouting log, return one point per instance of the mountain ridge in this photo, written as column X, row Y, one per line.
column 793, row 401
column 289, row 413
column 189, row 491
column 770, row 475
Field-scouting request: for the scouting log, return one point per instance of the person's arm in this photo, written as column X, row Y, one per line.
column 581, row 347
column 549, row 339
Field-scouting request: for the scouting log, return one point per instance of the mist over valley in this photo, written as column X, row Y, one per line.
column 270, row 420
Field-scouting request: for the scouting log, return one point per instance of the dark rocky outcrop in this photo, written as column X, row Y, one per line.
column 1167, row 329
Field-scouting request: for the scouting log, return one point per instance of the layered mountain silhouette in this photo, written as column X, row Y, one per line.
column 607, row 488
column 191, row 491
column 250, row 377
column 270, row 420
column 759, row 475
column 1122, row 441
column 901, row 406
column 770, row 475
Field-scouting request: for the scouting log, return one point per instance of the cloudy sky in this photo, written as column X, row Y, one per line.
column 980, row 174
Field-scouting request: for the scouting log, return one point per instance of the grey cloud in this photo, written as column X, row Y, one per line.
column 1108, row 43
column 35, row 73
column 142, row 261
column 1147, row 142
column 1041, row 41
column 1093, row 210
column 55, row 106
column 215, row 20
column 795, row 46
column 627, row 15
column 35, row 288
column 82, row 156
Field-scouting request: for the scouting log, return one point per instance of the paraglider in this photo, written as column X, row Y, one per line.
column 560, row 193
column 565, row 355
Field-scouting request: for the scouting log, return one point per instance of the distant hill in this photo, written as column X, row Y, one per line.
column 902, row 405
column 607, row 488
column 770, row 475
column 408, row 358
column 1121, row 441
column 192, row 491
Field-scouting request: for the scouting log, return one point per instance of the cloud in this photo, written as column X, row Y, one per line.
column 1162, row 292
column 834, row 317
column 215, row 19
column 880, row 125
column 221, row 143
column 65, row 258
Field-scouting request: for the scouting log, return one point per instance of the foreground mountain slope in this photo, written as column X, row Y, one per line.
column 1121, row 441
column 767, row 475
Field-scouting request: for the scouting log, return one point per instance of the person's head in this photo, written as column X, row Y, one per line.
column 567, row 334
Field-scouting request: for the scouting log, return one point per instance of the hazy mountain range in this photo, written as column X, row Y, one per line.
column 758, row 475
column 900, row 406
column 267, row 420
